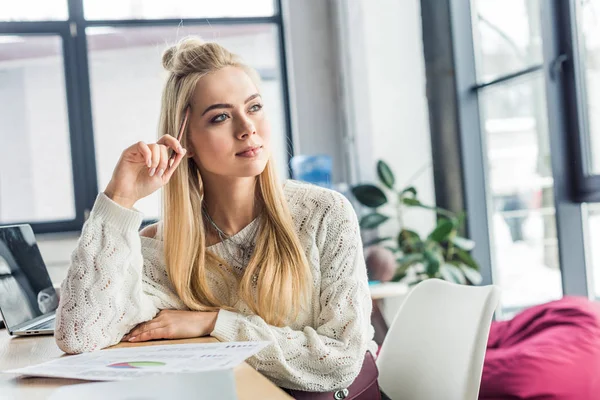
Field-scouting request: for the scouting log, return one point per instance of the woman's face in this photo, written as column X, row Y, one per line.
column 229, row 133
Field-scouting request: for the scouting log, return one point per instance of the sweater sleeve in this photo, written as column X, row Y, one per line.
column 115, row 281
column 329, row 356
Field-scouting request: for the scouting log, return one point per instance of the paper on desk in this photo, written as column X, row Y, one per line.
column 138, row 362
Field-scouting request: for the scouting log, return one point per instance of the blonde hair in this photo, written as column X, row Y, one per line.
column 284, row 279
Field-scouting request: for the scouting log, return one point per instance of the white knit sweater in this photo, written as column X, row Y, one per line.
column 117, row 280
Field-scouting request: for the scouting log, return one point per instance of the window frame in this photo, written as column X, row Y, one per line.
column 454, row 112
column 78, row 93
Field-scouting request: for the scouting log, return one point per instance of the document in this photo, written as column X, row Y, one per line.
column 139, row 362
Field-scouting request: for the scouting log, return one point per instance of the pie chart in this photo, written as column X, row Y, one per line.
column 137, row 364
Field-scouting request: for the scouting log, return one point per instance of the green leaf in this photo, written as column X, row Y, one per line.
column 444, row 228
column 369, row 195
column 472, row 276
column 433, row 261
column 409, row 241
column 411, row 202
column 410, row 189
column 398, row 276
column 466, row 259
column 376, row 241
column 463, row 243
column 392, row 249
column 386, row 176
column 461, row 218
column 373, row 220
column 452, row 273
column 407, row 234
column 409, row 260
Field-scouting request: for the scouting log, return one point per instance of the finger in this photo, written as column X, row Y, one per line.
column 144, row 151
column 164, row 159
column 158, row 333
column 175, row 164
column 171, row 142
column 144, row 326
column 155, row 158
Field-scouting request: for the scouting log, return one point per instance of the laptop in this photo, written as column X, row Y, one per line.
column 28, row 301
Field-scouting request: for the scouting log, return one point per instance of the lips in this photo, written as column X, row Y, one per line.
column 252, row 151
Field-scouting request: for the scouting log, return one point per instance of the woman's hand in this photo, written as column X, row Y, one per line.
column 143, row 169
column 174, row 324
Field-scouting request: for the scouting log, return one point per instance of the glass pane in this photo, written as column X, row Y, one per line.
column 520, row 186
column 127, row 78
column 507, row 36
column 590, row 57
column 592, row 249
column 36, row 182
column 144, row 9
column 33, row 10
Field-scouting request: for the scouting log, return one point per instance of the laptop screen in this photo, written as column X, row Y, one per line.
column 26, row 291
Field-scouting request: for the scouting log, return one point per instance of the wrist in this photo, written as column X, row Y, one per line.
column 118, row 198
column 212, row 322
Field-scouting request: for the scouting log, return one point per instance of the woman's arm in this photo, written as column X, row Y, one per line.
column 330, row 356
column 114, row 281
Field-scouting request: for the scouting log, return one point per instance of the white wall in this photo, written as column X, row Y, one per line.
column 399, row 112
column 387, row 119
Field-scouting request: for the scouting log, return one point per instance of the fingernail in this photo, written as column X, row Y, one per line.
column 180, row 149
column 149, row 163
column 152, row 171
column 160, row 172
column 131, row 339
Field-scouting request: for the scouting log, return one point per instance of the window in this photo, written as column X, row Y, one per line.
column 513, row 121
column 514, row 125
column 521, row 99
column 76, row 89
column 36, row 179
column 507, row 37
column 144, row 9
column 521, row 203
column 33, row 10
column 589, row 30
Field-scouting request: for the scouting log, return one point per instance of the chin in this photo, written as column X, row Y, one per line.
column 252, row 169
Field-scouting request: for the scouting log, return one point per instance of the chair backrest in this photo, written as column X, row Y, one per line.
column 436, row 344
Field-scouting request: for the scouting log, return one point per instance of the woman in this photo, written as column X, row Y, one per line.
column 236, row 256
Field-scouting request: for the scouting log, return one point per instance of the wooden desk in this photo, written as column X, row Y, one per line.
column 24, row 351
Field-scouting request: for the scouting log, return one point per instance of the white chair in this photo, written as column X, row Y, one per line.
column 436, row 344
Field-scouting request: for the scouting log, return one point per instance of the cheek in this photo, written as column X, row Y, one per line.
column 211, row 146
column 264, row 130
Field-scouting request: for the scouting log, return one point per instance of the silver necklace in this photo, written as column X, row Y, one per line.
column 245, row 248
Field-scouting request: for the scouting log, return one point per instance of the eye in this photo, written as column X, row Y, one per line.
column 256, row 107
column 219, row 118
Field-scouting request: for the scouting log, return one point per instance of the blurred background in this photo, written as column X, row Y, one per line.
column 486, row 106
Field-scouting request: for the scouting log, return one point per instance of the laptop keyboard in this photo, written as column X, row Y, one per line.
column 44, row 325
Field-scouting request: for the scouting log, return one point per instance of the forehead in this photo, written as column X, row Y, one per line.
column 228, row 85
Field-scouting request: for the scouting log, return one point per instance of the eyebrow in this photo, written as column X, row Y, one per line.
column 225, row 105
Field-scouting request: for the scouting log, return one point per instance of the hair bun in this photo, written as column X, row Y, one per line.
column 168, row 58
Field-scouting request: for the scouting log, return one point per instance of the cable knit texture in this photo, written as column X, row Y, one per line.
column 117, row 280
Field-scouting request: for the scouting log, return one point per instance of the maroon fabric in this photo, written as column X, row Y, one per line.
column 364, row 387
column 550, row 351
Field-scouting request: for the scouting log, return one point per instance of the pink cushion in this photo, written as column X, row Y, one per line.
column 550, row 351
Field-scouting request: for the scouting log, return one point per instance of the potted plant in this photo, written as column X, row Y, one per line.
column 442, row 254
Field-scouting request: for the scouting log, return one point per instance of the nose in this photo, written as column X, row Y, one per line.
column 245, row 128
